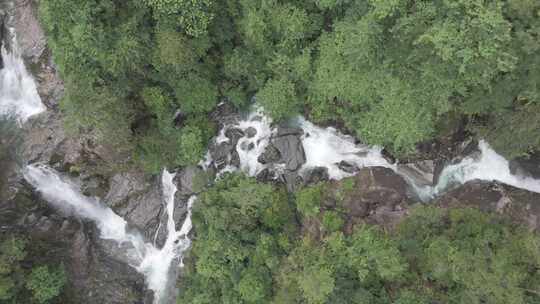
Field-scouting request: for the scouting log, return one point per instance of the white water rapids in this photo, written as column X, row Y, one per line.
column 18, row 92
column 154, row 263
column 327, row 147
column 324, row 147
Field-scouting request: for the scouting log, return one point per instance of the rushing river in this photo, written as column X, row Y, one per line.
column 324, row 147
column 18, row 92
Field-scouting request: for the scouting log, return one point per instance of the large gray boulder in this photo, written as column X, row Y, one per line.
column 519, row 205
column 140, row 202
column 288, row 143
column 375, row 195
column 99, row 275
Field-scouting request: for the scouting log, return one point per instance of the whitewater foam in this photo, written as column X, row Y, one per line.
column 327, row 147
column 154, row 263
column 18, row 91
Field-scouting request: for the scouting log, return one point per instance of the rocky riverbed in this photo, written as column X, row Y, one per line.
column 294, row 154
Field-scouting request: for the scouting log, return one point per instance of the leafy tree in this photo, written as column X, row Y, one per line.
column 278, row 98
column 309, row 199
column 242, row 231
column 332, row 221
column 12, row 252
column 193, row 16
column 46, row 284
column 317, row 284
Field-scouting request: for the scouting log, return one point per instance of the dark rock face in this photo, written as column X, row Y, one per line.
column 270, row 155
column 290, row 147
column 375, row 195
column 348, row 167
column 422, row 172
column 291, row 150
column 526, row 166
column 30, row 35
column 99, row 276
column 33, row 45
column 316, row 175
column 519, row 205
column 186, row 181
column 97, row 270
column 139, row 203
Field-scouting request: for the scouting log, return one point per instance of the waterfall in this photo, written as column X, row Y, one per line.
column 157, row 262
column 327, row 147
column 18, row 91
column 154, row 263
column 488, row 166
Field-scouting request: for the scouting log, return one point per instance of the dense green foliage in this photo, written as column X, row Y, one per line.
column 246, row 232
column 249, row 248
column 393, row 71
column 21, row 284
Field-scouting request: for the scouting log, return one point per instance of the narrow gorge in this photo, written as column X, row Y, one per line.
column 123, row 227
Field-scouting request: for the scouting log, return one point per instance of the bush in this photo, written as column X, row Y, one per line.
column 278, row 97
column 46, row 284
column 332, row 221
column 309, row 199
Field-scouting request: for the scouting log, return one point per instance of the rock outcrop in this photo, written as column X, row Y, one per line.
column 521, row 206
column 375, row 195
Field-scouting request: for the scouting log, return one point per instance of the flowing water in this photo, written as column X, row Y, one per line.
column 324, row 147
column 18, row 92
column 154, row 263
column 327, row 147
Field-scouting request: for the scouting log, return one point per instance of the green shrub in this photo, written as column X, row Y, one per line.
column 46, row 284
column 309, row 199
column 332, row 221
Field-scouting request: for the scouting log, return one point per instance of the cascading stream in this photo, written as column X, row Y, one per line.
column 154, row 263
column 18, row 91
column 327, row 147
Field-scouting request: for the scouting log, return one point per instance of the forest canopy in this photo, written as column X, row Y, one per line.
column 394, row 72
column 252, row 245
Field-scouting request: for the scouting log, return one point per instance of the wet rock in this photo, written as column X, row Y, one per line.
column 225, row 114
column 266, row 176
column 517, row 204
column 247, row 146
column 388, row 156
column 421, row 172
column 234, row 134
column 235, row 159
column 270, row 155
column 99, row 275
column 122, row 185
column 251, row 132
column 284, row 131
column 142, row 206
column 30, row 35
column 221, row 153
column 316, row 175
column 43, row 135
column 375, row 195
column 526, row 166
column 2, row 28
column 179, row 213
column 348, row 167
column 291, row 150
column 187, row 179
